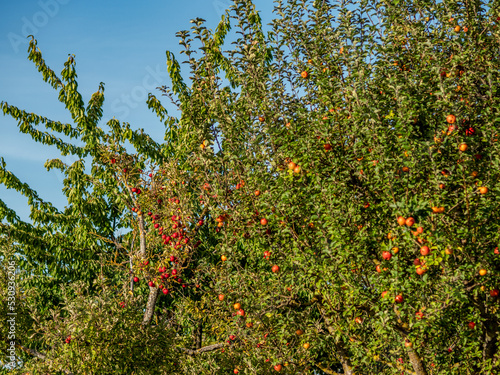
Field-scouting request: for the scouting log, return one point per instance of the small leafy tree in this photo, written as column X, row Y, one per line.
column 327, row 202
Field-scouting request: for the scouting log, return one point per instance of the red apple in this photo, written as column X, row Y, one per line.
column 275, row 268
column 496, row 251
column 399, row 299
column 494, row 293
column 401, row 220
column 472, row 325
column 263, row 221
column 151, row 284
column 421, row 270
column 416, row 262
column 221, row 297
column 419, row 315
column 410, row 221
column 136, row 279
column 277, row 368
column 386, row 255
column 241, row 312
column 424, row 250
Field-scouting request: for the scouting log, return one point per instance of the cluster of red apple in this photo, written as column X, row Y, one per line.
column 398, row 299
column 164, row 275
column 178, row 238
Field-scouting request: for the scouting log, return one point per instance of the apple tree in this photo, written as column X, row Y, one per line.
column 327, row 202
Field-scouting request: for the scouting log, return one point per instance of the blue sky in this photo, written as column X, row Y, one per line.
column 120, row 43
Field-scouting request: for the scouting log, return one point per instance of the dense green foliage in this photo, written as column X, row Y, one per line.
column 266, row 233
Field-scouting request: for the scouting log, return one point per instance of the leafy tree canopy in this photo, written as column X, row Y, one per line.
column 326, row 203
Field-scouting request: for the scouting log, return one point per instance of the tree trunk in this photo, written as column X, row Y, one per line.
column 490, row 339
column 416, row 362
column 340, row 351
column 198, row 335
column 344, row 359
column 142, row 236
column 150, row 306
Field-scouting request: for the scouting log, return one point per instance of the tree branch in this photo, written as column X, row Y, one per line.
column 208, row 348
column 39, row 355
column 325, row 369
